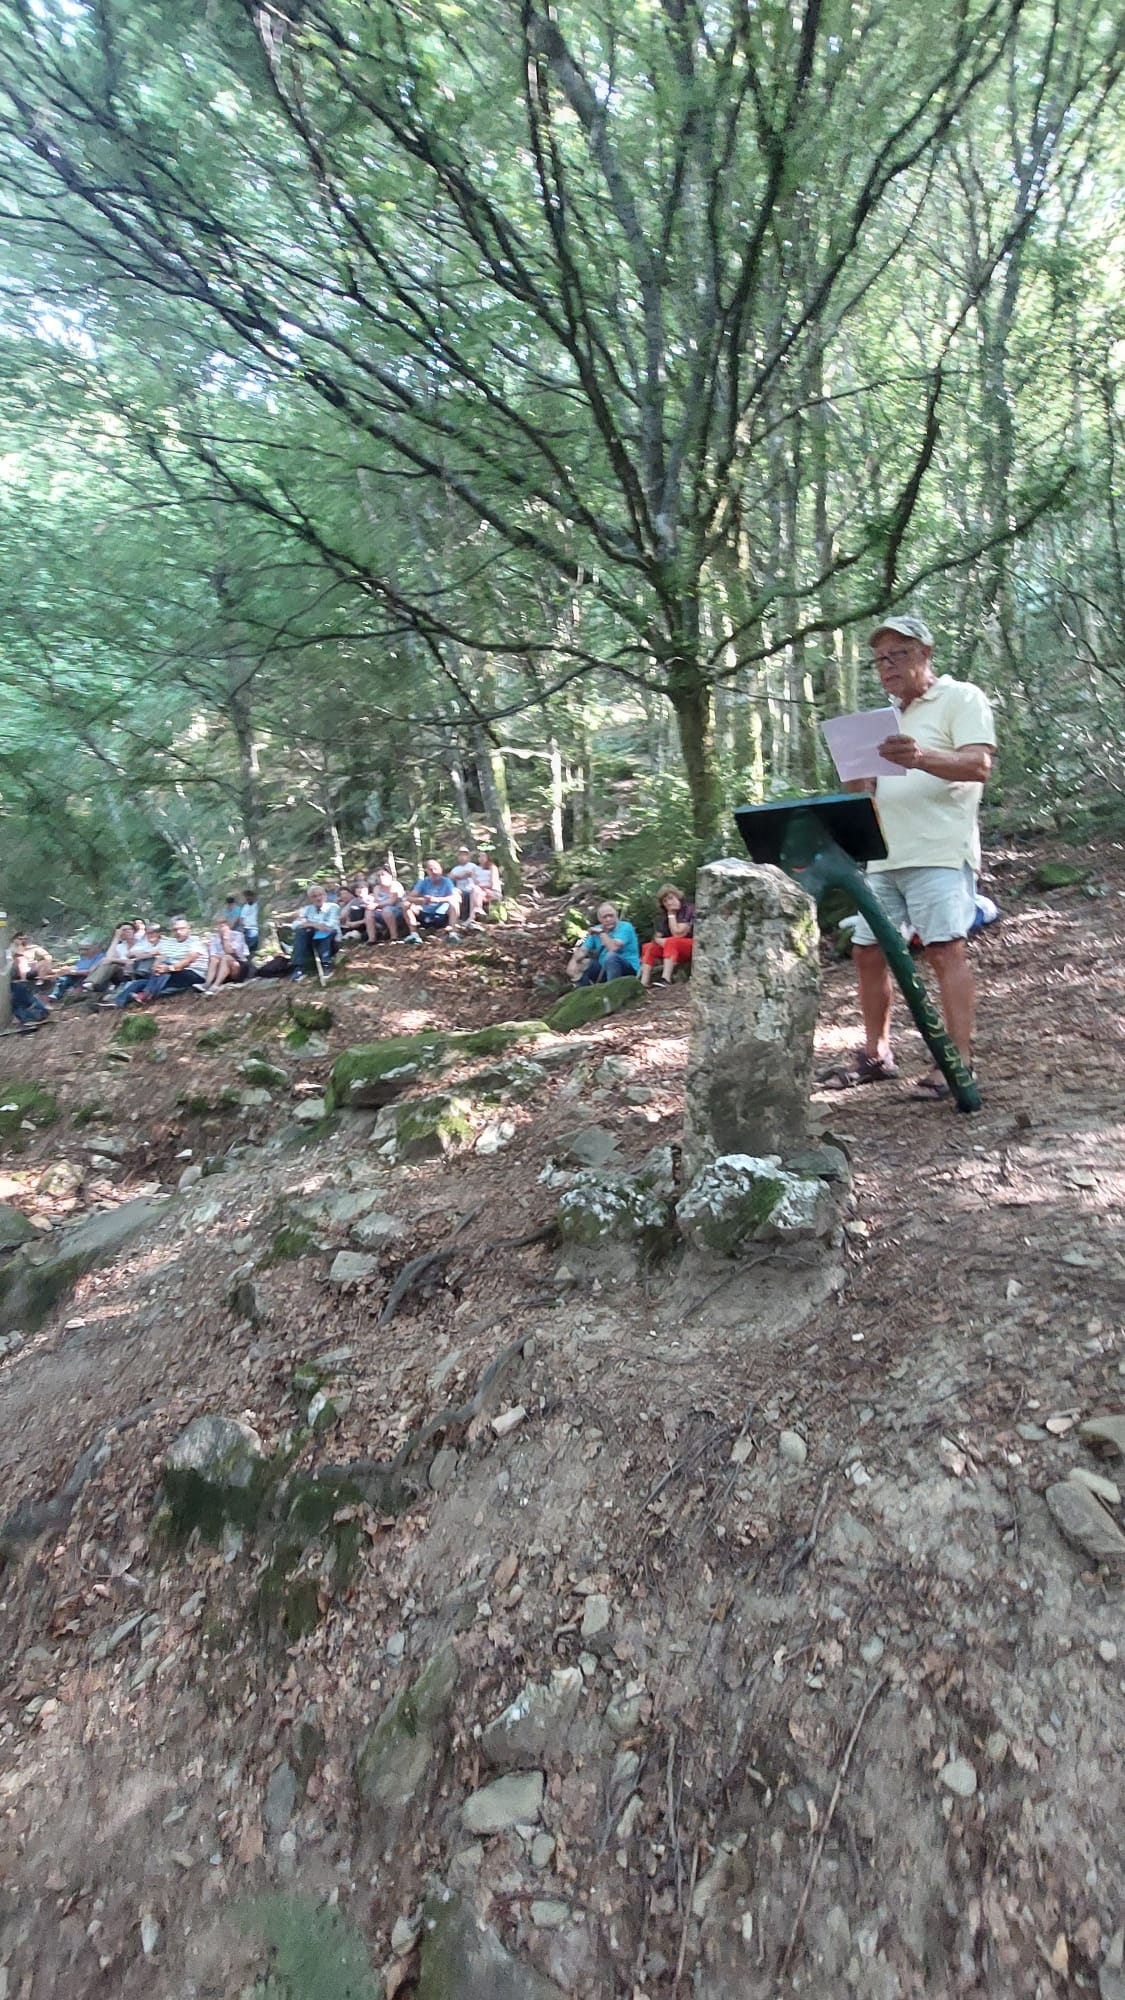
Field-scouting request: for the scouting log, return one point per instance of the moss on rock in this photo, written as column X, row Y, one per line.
column 592, row 1003
column 602, row 1209
column 738, row 1200
column 311, row 1015
column 263, row 1075
column 23, row 1100
column 397, row 1754
column 375, row 1073
column 289, row 1242
column 1060, row 875
column 427, row 1128
column 135, row 1029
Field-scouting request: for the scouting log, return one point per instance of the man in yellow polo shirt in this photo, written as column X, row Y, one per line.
column 944, row 746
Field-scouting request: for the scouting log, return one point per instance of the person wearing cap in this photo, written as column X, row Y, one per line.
column 944, row 746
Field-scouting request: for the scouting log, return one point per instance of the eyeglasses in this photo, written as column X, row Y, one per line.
column 894, row 659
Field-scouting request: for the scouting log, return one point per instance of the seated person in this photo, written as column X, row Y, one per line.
column 490, row 889
column 672, row 945
column 113, row 966
column 228, row 957
column 23, row 969
column 143, row 951
column 609, row 951
column 68, row 978
column 316, row 932
column 464, row 874
column 357, row 913
column 179, row 965
column 390, row 911
column 434, row 897
column 248, row 919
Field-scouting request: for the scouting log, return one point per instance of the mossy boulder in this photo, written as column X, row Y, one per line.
column 263, row 1075
column 14, row 1228
column 30, row 1102
column 215, row 1475
column 519, row 1078
column 135, row 1029
column 593, row 1003
column 311, row 1015
column 207, row 1104
column 38, row 1274
column 427, row 1128
column 600, row 1208
column 463, row 1958
column 289, row 1243
column 739, row 1200
column 407, row 1742
column 375, row 1073
column 1060, row 875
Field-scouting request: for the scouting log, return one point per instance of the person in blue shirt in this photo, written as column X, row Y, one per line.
column 610, row 951
column 435, row 897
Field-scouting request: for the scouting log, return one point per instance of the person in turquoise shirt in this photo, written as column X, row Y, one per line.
column 611, row 950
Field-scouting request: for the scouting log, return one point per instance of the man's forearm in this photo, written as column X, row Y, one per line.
column 970, row 766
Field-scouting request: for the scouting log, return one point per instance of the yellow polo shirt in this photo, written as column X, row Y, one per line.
column 927, row 822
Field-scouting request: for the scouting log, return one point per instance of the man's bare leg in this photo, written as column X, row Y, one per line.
column 875, row 993
column 958, row 991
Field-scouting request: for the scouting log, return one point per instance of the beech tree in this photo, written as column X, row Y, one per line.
column 577, row 339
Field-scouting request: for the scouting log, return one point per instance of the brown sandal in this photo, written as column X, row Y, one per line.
column 866, row 1069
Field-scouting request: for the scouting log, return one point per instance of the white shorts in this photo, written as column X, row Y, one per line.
column 938, row 903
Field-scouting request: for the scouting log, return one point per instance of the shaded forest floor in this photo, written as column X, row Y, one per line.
column 848, row 1724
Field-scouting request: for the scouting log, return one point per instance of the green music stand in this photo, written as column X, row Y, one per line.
column 819, row 842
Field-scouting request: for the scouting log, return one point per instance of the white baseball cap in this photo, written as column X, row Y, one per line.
column 910, row 628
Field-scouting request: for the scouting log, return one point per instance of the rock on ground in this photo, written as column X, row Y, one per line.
column 755, row 988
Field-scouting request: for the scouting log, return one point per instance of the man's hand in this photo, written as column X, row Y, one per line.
column 970, row 765
column 611, row 943
column 902, row 750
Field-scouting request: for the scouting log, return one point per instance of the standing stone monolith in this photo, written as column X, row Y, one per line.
column 755, row 986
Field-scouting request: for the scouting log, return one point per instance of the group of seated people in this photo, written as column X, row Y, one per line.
column 138, row 963
column 384, row 908
column 142, row 961
column 611, row 950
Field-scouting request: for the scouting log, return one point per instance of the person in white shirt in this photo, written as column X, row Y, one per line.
column 180, row 964
column 114, row 966
column 390, row 909
column 464, row 874
column 248, row 918
column 490, row 889
column 945, row 748
column 228, row 957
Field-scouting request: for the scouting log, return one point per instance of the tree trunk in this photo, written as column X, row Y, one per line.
column 556, row 769
column 249, row 797
column 691, row 700
column 494, row 792
column 457, row 781
column 5, row 977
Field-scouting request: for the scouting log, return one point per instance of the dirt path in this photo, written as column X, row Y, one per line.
column 846, row 1729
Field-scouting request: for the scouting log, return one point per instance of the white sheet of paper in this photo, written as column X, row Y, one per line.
column 854, row 742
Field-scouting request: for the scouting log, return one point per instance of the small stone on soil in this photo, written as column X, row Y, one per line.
column 959, row 1777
